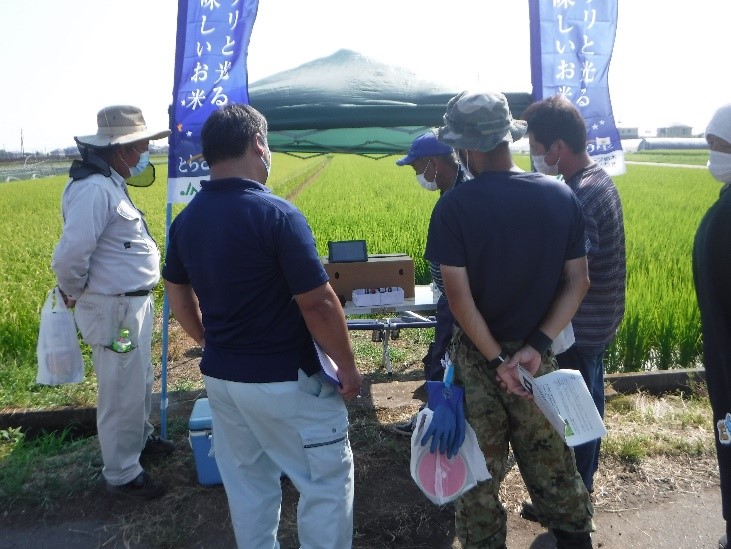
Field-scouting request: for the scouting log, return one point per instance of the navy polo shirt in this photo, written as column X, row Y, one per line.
column 513, row 231
column 246, row 252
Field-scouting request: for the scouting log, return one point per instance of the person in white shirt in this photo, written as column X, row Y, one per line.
column 106, row 265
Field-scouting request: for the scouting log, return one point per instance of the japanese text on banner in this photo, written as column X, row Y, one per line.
column 571, row 47
column 210, row 72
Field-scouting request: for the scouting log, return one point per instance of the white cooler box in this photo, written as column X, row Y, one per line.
column 200, row 437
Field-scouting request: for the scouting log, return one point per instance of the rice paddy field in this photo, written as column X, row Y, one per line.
column 350, row 197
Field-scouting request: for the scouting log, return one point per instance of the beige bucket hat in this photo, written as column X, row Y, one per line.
column 119, row 125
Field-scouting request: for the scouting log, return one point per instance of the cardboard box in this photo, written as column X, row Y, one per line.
column 380, row 271
column 200, row 437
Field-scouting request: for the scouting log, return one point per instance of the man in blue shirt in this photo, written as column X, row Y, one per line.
column 512, row 254
column 245, row 281
column 436, row 168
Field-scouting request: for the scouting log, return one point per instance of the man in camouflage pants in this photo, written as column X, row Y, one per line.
column 512, row 252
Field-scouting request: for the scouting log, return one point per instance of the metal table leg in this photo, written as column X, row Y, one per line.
column 386, row 353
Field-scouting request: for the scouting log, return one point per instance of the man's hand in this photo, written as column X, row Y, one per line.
column 508, row 375
column 528, row 358
column 351, row 382
column 70, row 303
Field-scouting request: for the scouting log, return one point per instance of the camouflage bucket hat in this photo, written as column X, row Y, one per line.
column 479, row 121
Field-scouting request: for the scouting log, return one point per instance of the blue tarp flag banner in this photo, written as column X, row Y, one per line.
column 571, row 47
column 211, row 48
column 210, row 72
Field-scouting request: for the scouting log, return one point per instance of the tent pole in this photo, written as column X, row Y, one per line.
column 164, row 361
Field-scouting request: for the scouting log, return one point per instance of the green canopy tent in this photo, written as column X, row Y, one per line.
column 348, row 103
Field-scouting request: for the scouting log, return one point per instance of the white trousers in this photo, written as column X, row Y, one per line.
column 297, row 427
column 124, row 380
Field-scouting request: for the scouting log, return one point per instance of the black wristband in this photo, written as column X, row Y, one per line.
column 539, row 341
column 498, row 360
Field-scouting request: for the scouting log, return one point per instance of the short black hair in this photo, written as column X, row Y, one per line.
column 556, row 118
column 230, row 130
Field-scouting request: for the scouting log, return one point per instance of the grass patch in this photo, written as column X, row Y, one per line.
column 48, row 470
column 629, row 449
column 640, row 426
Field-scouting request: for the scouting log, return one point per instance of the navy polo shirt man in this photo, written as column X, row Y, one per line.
column 244, row 279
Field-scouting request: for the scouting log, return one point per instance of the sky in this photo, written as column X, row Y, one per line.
column 63, row 60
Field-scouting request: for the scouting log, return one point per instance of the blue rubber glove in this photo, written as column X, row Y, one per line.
column 447, row 427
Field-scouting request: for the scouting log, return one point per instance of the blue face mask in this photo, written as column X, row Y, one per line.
column 142, row 163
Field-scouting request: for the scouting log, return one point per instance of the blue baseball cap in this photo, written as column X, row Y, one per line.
column 424, row 145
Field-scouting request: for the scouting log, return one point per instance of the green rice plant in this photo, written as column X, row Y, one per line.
column 360, row 198
column 30, row 226
column 627, row 350
column 357, row 198
column 347, row 197
column 662, row 209
column 690, row 156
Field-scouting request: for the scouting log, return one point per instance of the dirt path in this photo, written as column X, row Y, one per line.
column 689, row 522
column 292, row 196
column 638, row 506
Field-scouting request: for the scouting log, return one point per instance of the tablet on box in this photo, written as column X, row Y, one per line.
column 347, row 251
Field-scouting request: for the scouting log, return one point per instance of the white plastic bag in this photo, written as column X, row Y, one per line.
column 564, row 340
column 439, row 478
column 59, row 353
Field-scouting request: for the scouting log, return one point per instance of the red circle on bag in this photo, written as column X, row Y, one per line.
column 453, row 471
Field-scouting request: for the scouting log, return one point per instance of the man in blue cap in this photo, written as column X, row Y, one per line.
column 436, row 167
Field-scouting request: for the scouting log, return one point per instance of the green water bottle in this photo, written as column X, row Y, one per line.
column 122, row 344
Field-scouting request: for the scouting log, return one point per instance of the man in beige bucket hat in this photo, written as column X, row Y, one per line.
column 512, row 254
column 107, row 264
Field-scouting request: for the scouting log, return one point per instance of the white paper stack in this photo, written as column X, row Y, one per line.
column 369, row 297
column 564, row 399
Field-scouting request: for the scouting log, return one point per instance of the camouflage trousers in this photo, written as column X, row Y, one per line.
column 546, row 464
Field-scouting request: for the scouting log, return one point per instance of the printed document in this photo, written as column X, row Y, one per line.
column 564, row 399
column 327, row 365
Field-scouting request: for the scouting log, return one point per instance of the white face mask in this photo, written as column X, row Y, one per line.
column 142, row 163
column 424, row 182
column 539, row 161
column 267, row 165
column 465, row 164
column 719, row 164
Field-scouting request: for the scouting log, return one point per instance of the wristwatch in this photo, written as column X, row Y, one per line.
column 498, row 360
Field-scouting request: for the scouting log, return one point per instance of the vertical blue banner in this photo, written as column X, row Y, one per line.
column 210, row 71
column 571, row 47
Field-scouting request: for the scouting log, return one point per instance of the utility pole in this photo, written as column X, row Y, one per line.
column 22, row 150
